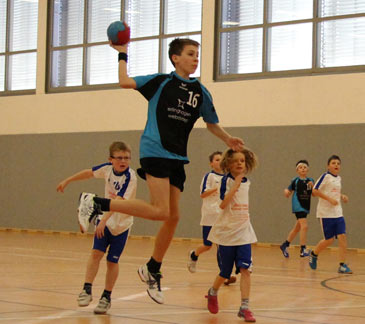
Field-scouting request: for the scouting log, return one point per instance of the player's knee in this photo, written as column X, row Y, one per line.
column 245, row 272
column 162, row 214
column 97, row 255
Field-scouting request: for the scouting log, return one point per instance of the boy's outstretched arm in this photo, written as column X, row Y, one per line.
column 82, row 175
column 124, row 80
column 234, row 143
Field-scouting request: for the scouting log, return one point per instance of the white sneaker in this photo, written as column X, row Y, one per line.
column 84, row 299
column 87, row 210
column 191, row 263
column 103, row 306
column 153, row 280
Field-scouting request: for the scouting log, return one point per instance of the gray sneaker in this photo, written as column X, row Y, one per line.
column 103, row 306
column 84, row 299
column 191, row 263
column 153, row 280
column 87, row 210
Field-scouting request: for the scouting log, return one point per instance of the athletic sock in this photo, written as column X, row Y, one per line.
column 106, row 294
column 104, row 203
column 193, row 256
column 302, row 248
column 87, row 287
column 315, row 255
column 342, row 263
column 153, row 266
column 213, row 292
column 287, row 243
column 244, row 303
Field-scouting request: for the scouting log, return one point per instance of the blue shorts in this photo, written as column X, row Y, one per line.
column 116, row 244
column 229, row 255
column 206, row 231
column 332, row 227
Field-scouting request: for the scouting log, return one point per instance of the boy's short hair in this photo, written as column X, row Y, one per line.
column 333, row 157
column 118, row 146
column 177, row 46
column 251, row 160
column 302, row 161
column 211, row 156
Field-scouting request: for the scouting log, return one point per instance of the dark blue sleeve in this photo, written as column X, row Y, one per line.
column 204, row 186
column 319, row 182
column 223, row 187
column 148, row 85
column 291, row 187
column 97, row 167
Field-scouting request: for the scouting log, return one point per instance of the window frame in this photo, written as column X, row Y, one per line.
column 7, row 54
column 314, row 70
column 85, row 45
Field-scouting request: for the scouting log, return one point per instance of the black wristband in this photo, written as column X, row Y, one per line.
column 123, row 56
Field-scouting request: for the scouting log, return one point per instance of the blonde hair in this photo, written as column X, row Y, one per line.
column 251, row 160
column 118, row 146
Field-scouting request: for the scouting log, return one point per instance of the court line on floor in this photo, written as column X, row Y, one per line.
column 135, row 296
column 324, row 284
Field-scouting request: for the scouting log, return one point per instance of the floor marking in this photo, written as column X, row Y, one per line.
column 135, row 296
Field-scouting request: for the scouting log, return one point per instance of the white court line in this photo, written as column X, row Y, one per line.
column 135, row 296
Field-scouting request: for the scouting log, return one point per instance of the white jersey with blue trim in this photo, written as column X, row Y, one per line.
column 210, row 205
column 330, row 185
column 174, row 105
column 122, row 184
column 233, row 226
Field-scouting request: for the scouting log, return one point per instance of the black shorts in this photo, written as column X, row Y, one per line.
column 164, row 168
column 301, row 215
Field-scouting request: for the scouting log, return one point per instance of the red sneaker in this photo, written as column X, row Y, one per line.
column 212, row 303
column 247, row 315
column 231, row 280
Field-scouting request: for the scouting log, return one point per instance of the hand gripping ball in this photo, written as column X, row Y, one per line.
column 118, row 32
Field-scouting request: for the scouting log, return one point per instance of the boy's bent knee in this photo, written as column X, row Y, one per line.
column 304, row 228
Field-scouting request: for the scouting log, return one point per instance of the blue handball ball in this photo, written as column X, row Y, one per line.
column 119, row 33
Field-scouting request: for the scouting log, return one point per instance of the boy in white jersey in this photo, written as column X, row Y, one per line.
column 113, row 228
column 329, row 211
column 232, row 230
column 210, row 209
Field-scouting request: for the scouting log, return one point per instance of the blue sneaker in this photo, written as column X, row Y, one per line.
column 284, row 249
column 344, row 269
column 312, row 261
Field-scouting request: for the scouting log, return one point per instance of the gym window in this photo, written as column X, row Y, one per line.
column 18, row 46
column 79, row 54
column 269, row 38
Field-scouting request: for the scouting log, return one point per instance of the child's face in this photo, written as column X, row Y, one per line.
column 120, row 160
column 216, row 163
column 302, row 170
column 187, row 62
column 334, row 167
column 237, row 164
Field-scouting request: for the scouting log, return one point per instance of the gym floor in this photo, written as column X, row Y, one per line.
column 42, row 274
